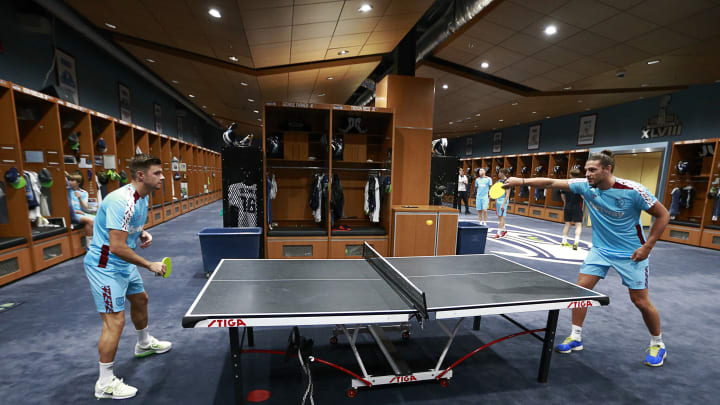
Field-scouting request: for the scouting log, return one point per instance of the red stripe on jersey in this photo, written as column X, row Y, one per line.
column 638, row 228
column 621, row 186
column 104, row 253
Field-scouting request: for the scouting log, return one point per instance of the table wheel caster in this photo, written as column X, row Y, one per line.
column 444, row 382
column 333, row 340
column 351, row 392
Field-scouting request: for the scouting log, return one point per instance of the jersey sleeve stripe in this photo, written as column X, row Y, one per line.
column 629, row 185
column 640, row 234
column 129, row 209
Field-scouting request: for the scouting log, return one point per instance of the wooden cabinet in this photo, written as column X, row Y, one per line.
column 50, row 252
column 352, row 248
column 297, row 248
column 425, row 230
column 15, row 263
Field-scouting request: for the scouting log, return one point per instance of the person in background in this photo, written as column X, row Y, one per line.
column 79, row 205
column 501, row 205
column 482, row 198
column 463, row 190
column 573, row 211
column 619, row 242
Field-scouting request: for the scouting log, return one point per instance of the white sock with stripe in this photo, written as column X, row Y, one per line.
column 576, row 333
column 106, row 373
column 657, row 341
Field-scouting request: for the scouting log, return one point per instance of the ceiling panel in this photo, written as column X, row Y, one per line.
column 623, row 27
column 311, row 31
column 317, row 13
column 584, row 13
column 267, row 18
column 513, row 16
column 665, row 12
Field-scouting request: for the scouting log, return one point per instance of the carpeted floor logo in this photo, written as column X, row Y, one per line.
column 535, row 245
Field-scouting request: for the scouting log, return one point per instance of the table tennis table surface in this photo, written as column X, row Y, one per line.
column 273, row 292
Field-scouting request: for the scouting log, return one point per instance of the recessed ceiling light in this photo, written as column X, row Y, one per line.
column 150, row 60
column 467, row 118
column 550, row 30
column 534, row 112
column 484, row 65
column 475, row 126
column 365, row 8
column 214, row 12
column 343, row 52
column 547, row 116
column 501, row 120
column 259, row 119
column 233, row 58
column 477, row 115
column 251, row 100
column 111, row 26
column 579, row 101
column 644, row 85
column 256, row 111
column 450, row 122
column 653, row 62
column 204, row 106
column 331, row 78
column 191, row 95
column 567, row 88
column 445, row 86
column 213, row 114
column 243, row 84
column 515, row 103
column 175, row 81
column 321, row 94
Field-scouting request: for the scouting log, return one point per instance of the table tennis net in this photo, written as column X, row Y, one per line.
column 408, row 291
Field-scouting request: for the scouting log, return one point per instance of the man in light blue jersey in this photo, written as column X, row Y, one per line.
column 618, row 240
column 111, row 267
column 482, row 198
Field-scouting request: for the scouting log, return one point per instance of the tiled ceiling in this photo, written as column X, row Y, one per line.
column 191, row 50
column 594, row 40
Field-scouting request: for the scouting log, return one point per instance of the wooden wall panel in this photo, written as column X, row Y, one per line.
column 411, row 166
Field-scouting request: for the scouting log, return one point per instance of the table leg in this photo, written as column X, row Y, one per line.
column 235, row 347
column 251, row 337
column 476, row 322
column 548, row 344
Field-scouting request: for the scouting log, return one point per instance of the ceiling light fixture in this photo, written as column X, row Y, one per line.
column 321, row 94
column 550, row 30
column 477, row 115
column 331, row 78
column 251, row 100
column 204, row 106
column 579, row 101
column 111, row 26
column 150, row 60
column 191, row 95
column 243, row 84
column 259, row 119
column 534, row 112
column 256, row 111
column 445, row 86
column 365, row 8
column 175, row 81
column 484, row 65
column 343, row 52
column 587, row 109
column 644, row 85
column 547, row 116
column 450, row 122
column 214, row 12
column 501, row 120
column 233, row 58
column 653, row 62
column 567, row 88
column 515, row 103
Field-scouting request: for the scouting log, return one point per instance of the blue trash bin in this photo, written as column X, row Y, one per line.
column 228, row 243
column 471, row 238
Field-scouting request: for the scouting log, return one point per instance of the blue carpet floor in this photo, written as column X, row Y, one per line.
column 48, row 344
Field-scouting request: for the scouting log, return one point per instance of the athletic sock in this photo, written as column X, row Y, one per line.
column 143, row 337
column 576, row 333
column 576, row 240
column 657, row 341
column 106, row 373
column 564, row 240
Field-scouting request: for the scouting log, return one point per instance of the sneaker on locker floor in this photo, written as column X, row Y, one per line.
column 115, row 389
column 155, row 347
column 655, row 356
column 569, row 345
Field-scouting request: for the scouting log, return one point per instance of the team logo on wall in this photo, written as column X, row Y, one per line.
column 537, row 245
column 663, row 124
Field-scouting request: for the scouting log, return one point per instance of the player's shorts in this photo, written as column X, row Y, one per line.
column 482, row 203
column 76, row 217
column 500, row 209
column 573, row 215
column 109, row 287
column 634, row 274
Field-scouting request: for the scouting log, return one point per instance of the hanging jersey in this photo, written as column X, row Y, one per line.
column 615, row 215
column 123, row 210
column 75, row 201
column 482, row 187
column 244, row 198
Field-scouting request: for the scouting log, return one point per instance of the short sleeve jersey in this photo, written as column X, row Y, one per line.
column 123, row 210
column 75, row 201
column 615, row 215
column 502, row 201
column 482, row 186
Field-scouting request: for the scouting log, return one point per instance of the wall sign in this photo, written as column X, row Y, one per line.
column 497, row 142
column 534, row 137
column 586, row 132
column 663, row 124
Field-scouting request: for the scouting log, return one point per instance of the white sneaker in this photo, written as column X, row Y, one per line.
column 115, row 389
column 155, row 347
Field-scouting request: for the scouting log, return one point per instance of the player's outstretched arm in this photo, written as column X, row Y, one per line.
column 537, row 182
column 662, row 217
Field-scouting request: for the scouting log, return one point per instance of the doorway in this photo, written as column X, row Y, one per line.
column 643, row 168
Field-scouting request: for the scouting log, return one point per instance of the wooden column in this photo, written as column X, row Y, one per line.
column 411, row 98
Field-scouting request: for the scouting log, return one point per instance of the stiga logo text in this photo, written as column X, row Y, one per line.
column 580, row 304
column 403, row 379
column 226, row 323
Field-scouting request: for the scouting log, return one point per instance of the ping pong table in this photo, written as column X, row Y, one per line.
column 365, row 295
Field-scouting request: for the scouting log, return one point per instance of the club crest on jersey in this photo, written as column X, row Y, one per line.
column 620, row 202
column 120, row 301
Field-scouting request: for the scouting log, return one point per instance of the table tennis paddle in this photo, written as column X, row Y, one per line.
column 497, row 191
column 168, row 267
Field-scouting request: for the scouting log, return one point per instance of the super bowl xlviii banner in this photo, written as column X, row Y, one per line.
column 663, row 124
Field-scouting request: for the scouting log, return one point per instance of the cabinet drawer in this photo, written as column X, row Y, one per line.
column 51, row 252
column 15, row 264
column 294, row 248
column 352, row 248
